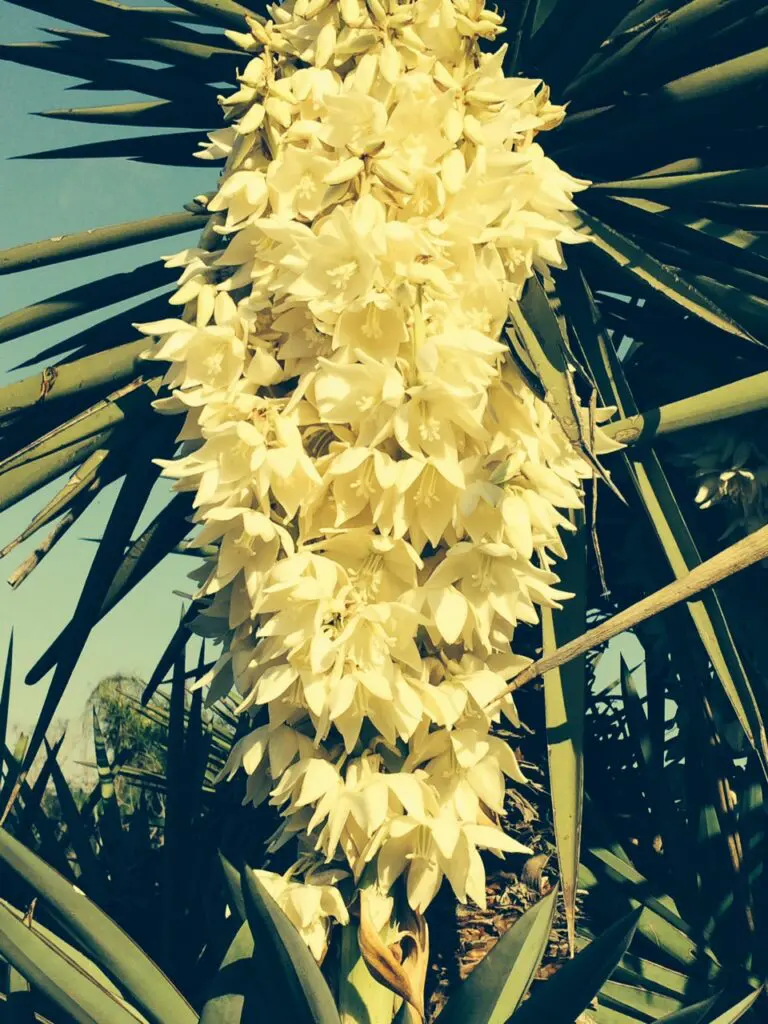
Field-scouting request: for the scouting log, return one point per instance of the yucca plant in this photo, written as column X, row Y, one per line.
column 359, row 258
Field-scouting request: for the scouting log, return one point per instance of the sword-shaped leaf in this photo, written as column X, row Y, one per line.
column 165, row 531
column 96, row 240
column 234, row 886
column 565, row 706
column 234, row 993
column 109, row 16
column 5, row 696
column 673, row 36
column 105, row 336
column 742, row 186
column 631, row 257
column 62, row 526
column 15, row 777
column 736, row 399
column 177, row 642
column 210, row 63
column 73, row 442
column 104, row 75
column 751, row 310
column 146, row 113
column 176, row 828
column 66, row 949
column 197, row 746
column 175, row 149
column 659, row 502
column 699, row 1012
column 655, row 224
column 72, row 380
column 197, row 57
column 86, row 477
column 519, row 24
column 69, row 987
column 629, row 129
column 19, row 1006
column 561, row 999
column 571, row 35
column 737, row 1012
column 220, row 12
column 112, row 949
column 637, row 1001
column 128, row 506
column 32, row 797
column 665, row 821
column 658, row 977
column 499, row 983
column 538, row 332
column 297, row 990
column 143, row 555
column 78, row 833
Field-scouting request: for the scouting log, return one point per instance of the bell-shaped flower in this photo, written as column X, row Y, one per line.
column 309, row 907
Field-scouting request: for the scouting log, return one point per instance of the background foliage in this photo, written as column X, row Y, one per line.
column 663, row 316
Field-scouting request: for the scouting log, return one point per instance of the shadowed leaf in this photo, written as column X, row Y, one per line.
column 175, row 149
column 565, row 704
column 107, row 943
column 147, row 113
column 84, row 299
column 561, row 999
column 499, row 983
column 298, row 990
column 60, row 979
column 612, row 244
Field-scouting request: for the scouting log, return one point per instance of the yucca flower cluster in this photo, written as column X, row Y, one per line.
column 730, row 466
column 384, row 489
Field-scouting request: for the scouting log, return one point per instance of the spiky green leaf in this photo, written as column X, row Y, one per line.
column 59, row 979
column 565, row 705
column 499, row 983
column 571, row 990
column 112, row 949
column 96, row 240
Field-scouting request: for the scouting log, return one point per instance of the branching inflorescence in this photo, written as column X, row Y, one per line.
column 385, row 490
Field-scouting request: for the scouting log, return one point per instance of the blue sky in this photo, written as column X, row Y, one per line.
column 43, row 199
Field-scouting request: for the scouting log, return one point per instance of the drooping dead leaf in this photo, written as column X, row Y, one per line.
column 402, row 967
column 533, row 873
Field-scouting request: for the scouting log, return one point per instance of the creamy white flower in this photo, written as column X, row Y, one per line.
column 309, row 906
column 383, row 489
column 429, row 848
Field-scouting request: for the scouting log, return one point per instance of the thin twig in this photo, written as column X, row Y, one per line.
column 19, row 574
column 733, row 559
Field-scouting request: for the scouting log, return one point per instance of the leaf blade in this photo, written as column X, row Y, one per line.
column 303, row 996
column 631, row 257
column 497, row 986
column 568, row 993
column 109, row 944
